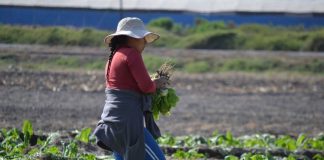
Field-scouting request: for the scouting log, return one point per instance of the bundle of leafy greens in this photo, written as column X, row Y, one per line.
column 164, row 99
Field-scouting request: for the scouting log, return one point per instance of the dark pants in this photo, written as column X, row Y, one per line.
column 152, row 149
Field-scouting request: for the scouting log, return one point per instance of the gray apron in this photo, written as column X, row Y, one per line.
column 121, row 127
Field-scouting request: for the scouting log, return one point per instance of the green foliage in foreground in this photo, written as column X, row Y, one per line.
column 252, row 141
column 16, row 144
column 191, row 154
column 250, row 156
column 256, row 141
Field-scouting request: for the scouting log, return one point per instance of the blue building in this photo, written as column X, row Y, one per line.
column 104, row 14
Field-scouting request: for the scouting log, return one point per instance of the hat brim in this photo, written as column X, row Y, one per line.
column 149, row 36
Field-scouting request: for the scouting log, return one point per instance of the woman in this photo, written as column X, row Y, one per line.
column 128, row 85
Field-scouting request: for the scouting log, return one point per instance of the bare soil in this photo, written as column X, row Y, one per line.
column 239, row 102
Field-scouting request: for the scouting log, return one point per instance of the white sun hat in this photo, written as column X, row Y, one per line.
column 132, row 27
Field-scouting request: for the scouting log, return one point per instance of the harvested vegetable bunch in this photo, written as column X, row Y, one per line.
column 164, row 98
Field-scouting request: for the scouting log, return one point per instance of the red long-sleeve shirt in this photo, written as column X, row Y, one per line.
column 127, row 71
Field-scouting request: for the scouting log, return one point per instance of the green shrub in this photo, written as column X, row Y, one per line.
column 197, row 67
column 51, row 35
column 10, row 34
column 55, row 37
column 203, row 35
column 255, row 42
column 284, row 43
column 209, row 40
column 167, row 39
column 165, row 23
column 202, row 26
column 260, row 37
column 311, row 66
column 250, row 64
column 316, row 42
column 70, row 36
column 234, row 65
column 95, row 64
column 90, row 37
column 179, row 30
column 256, row 29
column 152, row 62
column 67, row 62
column 35, row 35
column 9, row 58
column 316, row 66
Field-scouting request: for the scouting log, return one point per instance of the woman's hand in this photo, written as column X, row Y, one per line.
column 161, row 82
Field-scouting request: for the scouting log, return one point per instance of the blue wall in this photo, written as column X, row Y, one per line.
column 108, row 19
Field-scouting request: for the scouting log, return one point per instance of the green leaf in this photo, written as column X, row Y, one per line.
column 286, row 142
column 259, row 157
column 2, row 153
column 179, row 154
column 27, row 131
column 231, row 157
column 215, row 133
column 318, row 157
column 300, row 140
column 167, row 139
column 218, row 140
column 18, row 149
column 246, row 156
column 3, row 133
column 194, row 154
column 52, row 150
column 229, row 136
column 191, row 154
column 84, row 135
column 27, row 128
column 291, row 145
column 70, row 150
column 33, row 151
column 163, row 103
column 87, row 156
column 290, row 157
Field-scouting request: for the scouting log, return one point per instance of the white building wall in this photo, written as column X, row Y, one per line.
column 202, row 6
